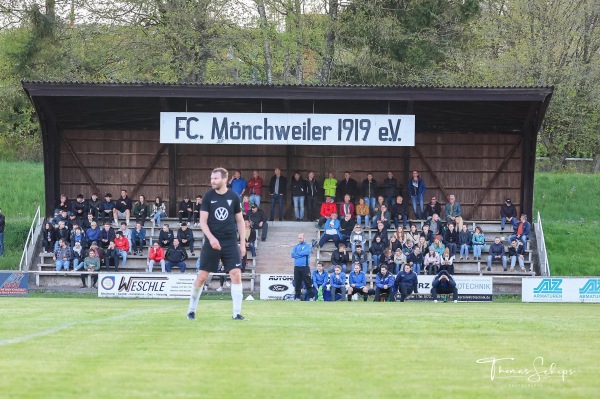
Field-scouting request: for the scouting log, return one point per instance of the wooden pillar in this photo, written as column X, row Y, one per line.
column 51, row 138
column 528, row 162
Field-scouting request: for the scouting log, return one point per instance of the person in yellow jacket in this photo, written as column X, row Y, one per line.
column 330, row 186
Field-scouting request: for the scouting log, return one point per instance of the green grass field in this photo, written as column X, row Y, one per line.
column 85, row 347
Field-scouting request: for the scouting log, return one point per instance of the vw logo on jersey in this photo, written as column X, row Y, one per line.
column 221, row 213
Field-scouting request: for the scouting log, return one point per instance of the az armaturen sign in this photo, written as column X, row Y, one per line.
column 283, row 129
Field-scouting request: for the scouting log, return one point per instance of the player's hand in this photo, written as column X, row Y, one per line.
column 214, row 243
column 242, row 251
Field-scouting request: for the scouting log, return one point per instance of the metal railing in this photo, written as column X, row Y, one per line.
column 541, row 243
column 31, row 240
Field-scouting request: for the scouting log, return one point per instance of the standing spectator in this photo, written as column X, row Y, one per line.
column 186, row 208
column 62, row 256
column 508, row 213
column 497, row 253
column 138, row 239
column 415, row 260
column 443, row 283
column 196, row 212
column 340, row 258
column 237, row 184
column 451, row 239
column 416, row 190
column 48, row 235
column 390, row 187
column 406, row 282
column 176, row 257
column 362, row 211
column 522, row 231
column 330, row 186
column 79, row 208
column 298, row 189
column 106, row 209
column 516, row 252
column 447, row 261
column 94, row 206
column 122, row 208
column 320, row 278
column 258, row 221
column 159, row 210
column 277, row 191
column 369, row 190
column 301, row 255
column 478, row 241
column 347, row 207
column 313, row 193
column 156, row 255
column 465, row 239
column 357, row 281
column 431, row 262
column 347, row 186
column 453, row 212
column 432, row 208
column 92, row 264
column 111, row 257
column 141, row 210
column 166, row 236
column 332, row 231
column 359, row 256
column 122, row 245
column 337, row 283
column 255, row 187
column 384, row 284
column 399, row 213
column 327, row 209
column 186, row 237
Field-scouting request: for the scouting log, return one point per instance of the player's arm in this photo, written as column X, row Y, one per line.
column 207, row 233
column 239, row 220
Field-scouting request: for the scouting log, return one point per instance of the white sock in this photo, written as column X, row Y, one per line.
column 194, row 298
column 237, row 296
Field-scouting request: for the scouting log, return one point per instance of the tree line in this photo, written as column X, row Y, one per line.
column 328, row 42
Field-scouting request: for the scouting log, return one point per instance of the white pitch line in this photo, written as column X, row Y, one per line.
column 64, row 326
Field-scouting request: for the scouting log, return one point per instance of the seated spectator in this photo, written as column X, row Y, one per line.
column 78, row 256
column 298, row 190
column 453, row 212
column 447, row 261
column 176, row 257
column 93, row 233
column 80, row 208
column 465, row 239
column 478, row 241
column 423, row 245
column 399, row 260
column 432, row 208
column 408, row 248
column 508, row 213
column 395, row 244
column 327, row 209
column 363, row 212
column 382, row 216
column 320, row 278
column 87, row 224
column 435, row 224
column 186, row 209
column 360, row 256
column 127, row 234
column 94, row 206
column 106, row 209
column 377, row 206
column 415, row 260
column 61, row 217
column 369, row 190
column 122, row 208
column 159, row 210
column 138, row 239
column 156, row 255
column 62, row 256
column 400, row 235
column 438, row 245
column 62, row 205
column 250, row 239
column 357, row 237
column 122, row 245
column 98, row 251
column 400, row 213
column 340, row 257
column 358, row 283
column 451, row 239
column 197, row 206
column 92, row 264
column 431, row 262
column 347, row 207
column 496, row 254
column 337, row 283
column 387, row 259
column 77, row 237
column 376, row 250
column 73, row 222
column 522, row 231
column 62, row 232
column 258, row 221
column 443, row 283
column 165, row 237
column 347, row 225
column 141, row 210
column 516, row 252
column 427, row 234
column 384, row 284
column 412, row 234
column 186, row 237
column 381, row 231
column 332, row 231
column 111, row 257
column 406, row 282
column 48, row 237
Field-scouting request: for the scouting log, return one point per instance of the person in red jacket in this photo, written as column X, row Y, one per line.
column 156, row 255
column 327, row 208
column 122, row 245
column 254, row 188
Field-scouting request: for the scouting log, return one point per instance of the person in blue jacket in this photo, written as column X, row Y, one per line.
column 337, row 282
column 358, row 282
column 406, row 282
column 320, row 278
column 301, row 255
column 138, row 239
column 384, row 283
column 444, row 284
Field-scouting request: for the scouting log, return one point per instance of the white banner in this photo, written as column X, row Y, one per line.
column 561, row 289
column 276, row 286
column 148, row 285
column 283, row 129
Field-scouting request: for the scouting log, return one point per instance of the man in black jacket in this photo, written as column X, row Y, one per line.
column 80, row 208
column 390, row 187
column 165, row 237
column 444, row 284
column 340, row 257
column 258, row 221
column 277, row 191
column 313, row 193
column 175, row 257
column 186, row 208
column 347, row 186
column 508, row 213
column 186, row 237
column 123, row 207
column 400, row 213
column 433, row 207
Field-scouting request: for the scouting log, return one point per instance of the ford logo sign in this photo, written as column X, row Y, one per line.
column 278, row 287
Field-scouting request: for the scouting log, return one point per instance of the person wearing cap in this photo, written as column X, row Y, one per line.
column 508, row 213
column 432, row 208
column 186, row 237
column 258, row 221
column 384, row 284
column 186, row 208
column 122, row 244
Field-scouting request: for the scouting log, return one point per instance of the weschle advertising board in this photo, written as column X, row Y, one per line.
column 148, row 285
